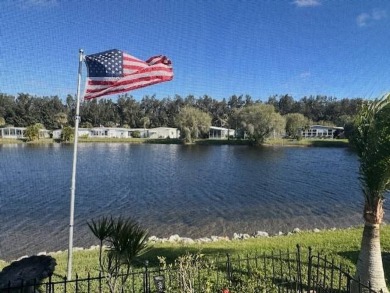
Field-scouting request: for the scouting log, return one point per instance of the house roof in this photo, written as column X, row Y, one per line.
column 326, row 127
column 219, row 128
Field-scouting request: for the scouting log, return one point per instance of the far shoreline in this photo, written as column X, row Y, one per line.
column 277, row 142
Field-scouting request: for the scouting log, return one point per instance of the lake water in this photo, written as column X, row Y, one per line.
column 193, row 191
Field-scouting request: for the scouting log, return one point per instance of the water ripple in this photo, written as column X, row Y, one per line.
column 191, row 190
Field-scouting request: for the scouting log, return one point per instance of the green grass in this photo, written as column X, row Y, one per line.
column 41, row 141
column 20, row 141
column 163, row 141
column 10, row 141
column 343, row 245
column 308, row 142
column 269, row 142
column 131, row 140
column 207, row 141
column 112, row 139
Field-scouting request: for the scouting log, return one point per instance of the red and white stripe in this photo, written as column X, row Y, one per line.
column 137, row 74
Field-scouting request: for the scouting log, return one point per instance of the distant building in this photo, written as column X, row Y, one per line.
column 220, row 132
column 56, row 134
column 111, row 132
column 19, row 132
column 163, row 132
column 320, row 131
column 44, row 133
column 12, row 132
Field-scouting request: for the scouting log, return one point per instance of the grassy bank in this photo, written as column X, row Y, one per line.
column 130, row 140
column 343, row 245
column 308, row 142
column 21, row 141
column 113, row 139
column 10, row 141
column 279, row 142
column 207, row 141
column 269, row 142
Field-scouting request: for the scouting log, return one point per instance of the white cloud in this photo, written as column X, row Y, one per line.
column 306, row 3
column 362, row 19
column 366, row 19
column 305, row 75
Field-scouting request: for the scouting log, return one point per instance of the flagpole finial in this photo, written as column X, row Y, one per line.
column 81, row 51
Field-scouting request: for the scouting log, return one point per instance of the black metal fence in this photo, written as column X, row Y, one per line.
column 295, row 271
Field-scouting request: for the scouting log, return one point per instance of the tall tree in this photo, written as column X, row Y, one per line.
column 45, row 109
column 221, row 114
column 193, row 123
column 108, row 112
column 23, row 118
column 205, row 103
column 372, row 142
column 273, row 100
column 128, row 110
column 7, row 108
column 259, row 121
column 286, row 104
column 235, row 102
column 150, row 107
column 295, row 122
column 61, row 119
column 89, row 112
column 145, row 122
column 71, row 109
column 164, row 114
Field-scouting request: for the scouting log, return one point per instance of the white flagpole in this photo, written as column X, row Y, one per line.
column 73, row 186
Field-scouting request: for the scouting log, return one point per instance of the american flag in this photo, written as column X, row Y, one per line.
column 115, row 71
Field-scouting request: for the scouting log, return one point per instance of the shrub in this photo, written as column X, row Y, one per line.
column 125, row 240
column 136, row 134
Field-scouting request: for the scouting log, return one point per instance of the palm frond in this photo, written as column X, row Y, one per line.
column 101, row 228
column 372, row 142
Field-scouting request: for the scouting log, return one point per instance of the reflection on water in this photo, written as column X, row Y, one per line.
column 190, row 190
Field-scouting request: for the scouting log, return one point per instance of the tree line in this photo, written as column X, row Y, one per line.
column 252, row 119
column 52, row 112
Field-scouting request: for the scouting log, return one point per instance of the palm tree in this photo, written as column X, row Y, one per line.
column 102, row 230
column 145, row 121
column 61, row 119
column 372, row 142
column 125, row 240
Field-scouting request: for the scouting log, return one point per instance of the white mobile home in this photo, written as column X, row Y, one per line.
column 220, row 132
column 20, row 132
column 12, row 132
column 81, row 132
column 320, row 131
column 110, row 132
column 163, row 132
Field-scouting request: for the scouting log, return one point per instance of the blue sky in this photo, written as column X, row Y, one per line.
column 223, row 47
